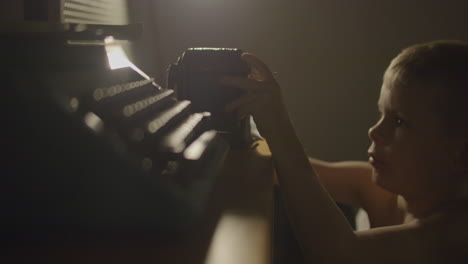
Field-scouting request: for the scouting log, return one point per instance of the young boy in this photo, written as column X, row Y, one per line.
column 414, row 187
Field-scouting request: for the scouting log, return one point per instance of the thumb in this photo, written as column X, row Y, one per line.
column 259, row 66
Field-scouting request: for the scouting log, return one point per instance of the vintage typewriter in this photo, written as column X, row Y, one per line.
column 94, row 145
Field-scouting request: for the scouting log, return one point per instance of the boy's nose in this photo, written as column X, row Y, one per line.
column 374, row 133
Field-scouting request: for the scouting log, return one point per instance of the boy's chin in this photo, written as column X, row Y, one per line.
column 383, row 180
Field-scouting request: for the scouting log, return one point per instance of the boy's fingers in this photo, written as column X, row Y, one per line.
column 245, row 111
column 241, row 82
column 246, row 99
column 245, row 108
column 259, row 65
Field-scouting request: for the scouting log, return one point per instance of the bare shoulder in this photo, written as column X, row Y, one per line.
column 442, row 238
column 451, row 228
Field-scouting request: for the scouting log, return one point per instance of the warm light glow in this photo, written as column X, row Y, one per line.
column 131, row 109
column 196, row 149
column 175, row 141
column 238, row 239
column 115, row 54
column 118, row 59
column 102, row 93
column 93, row 121
column 167, row 115
column 74, row 103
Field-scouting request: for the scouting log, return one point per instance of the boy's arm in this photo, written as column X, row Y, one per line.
column 312, row 212
column 321, row 229
column 346, row 182
column 350, row 182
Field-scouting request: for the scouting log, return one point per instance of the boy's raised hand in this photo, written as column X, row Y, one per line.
column 262, row 98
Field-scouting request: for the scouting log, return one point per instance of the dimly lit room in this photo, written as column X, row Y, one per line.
column 217, row 131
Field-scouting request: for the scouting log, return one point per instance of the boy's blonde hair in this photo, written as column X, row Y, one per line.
column 441, row 65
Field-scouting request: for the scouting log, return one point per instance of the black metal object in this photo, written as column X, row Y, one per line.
column 84, row 157
column 196, row 77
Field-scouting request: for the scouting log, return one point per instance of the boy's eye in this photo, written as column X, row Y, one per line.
column 399, row 122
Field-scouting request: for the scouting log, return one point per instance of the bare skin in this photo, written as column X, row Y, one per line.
column 411, row 192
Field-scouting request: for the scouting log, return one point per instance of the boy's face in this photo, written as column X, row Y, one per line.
column 410, row 149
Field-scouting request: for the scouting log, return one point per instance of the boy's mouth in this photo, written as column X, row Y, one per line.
column 375, row 161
